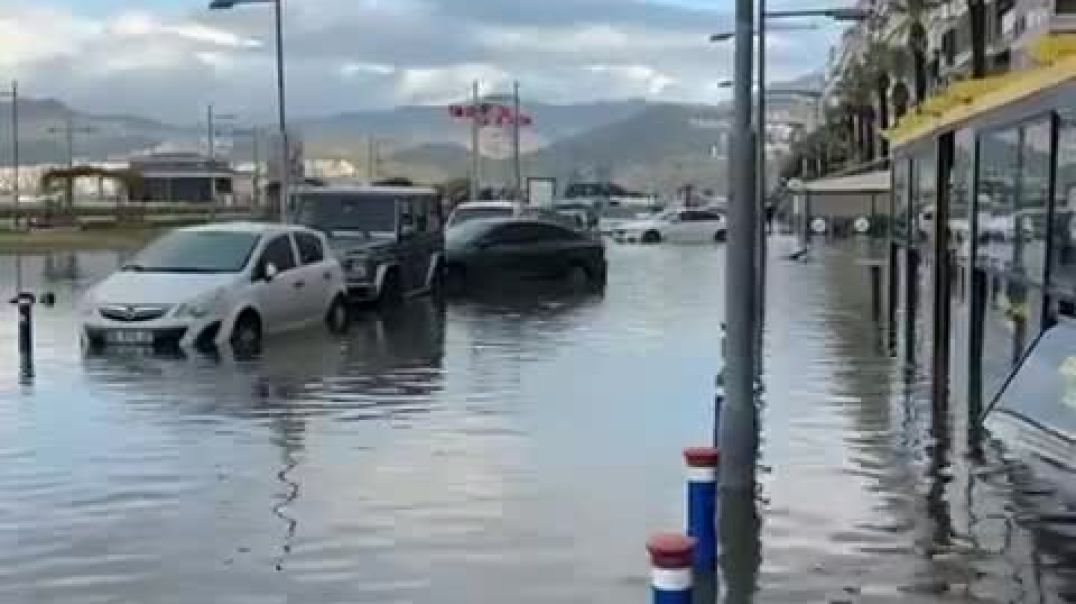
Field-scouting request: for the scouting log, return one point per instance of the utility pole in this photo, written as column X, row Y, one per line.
column 69, row 130
column 257, row 171
column 763, row 139
column 515, row 144
column 211, row 142
column 738, row 426
column 476, row 160
column 371, row 159
column 15, row 147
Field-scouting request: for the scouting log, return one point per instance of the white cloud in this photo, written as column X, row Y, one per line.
column 353, row 54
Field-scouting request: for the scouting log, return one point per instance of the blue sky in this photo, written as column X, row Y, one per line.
column 164, row 58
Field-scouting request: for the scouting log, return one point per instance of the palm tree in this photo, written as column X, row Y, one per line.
column 912, row 16
column 977, row 16
column 854, row 91
column 885, row 65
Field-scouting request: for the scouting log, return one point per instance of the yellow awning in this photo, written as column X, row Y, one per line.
column 968, row 99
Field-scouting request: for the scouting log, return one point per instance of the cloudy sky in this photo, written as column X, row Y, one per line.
column 168, row 58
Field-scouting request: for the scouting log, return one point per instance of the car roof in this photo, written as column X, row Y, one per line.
column 500, row 204
column 356, row 188
column 259, row 228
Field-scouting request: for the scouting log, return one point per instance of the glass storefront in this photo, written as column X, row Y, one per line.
column 1063, row 229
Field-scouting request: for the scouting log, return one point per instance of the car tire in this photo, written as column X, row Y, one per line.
column 246, row 336
column 338, row 317
column 651, row 237
column 391, row 290
column 719, row 237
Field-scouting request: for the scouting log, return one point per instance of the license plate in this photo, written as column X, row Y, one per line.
column 131, row 337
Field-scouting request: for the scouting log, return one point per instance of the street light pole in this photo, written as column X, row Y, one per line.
column 285, row 148
column 738, row 427
column 515, row 144
column 760, row 286
column 476, row 158
column 210, row 143
column 14, row 94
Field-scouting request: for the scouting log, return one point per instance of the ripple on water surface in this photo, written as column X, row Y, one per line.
column 500, row 449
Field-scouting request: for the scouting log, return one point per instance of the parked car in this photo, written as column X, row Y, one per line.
column 206, row 286
column 475, row 210
column 389, row 240
column 522, row 249
column 683, row 225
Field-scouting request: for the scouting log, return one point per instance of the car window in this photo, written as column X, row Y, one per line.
column 706, row 216
column 278, row 252
column 421, row 209
column 518, row 234
column 310, row 248
column 407, row 215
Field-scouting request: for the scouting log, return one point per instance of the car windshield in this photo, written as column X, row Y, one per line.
column 462, row 215
column 371, row 215
column 196, row 252
column 468, row 231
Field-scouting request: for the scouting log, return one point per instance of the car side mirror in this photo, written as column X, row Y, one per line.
column 270, row 271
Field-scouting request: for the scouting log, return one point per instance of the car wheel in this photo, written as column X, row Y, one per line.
column 338, row 318
column 651, row 237
column 246, row 338
column 391, row 290
column 719, row 237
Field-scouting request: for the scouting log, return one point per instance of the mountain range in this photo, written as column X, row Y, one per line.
column 645, row 145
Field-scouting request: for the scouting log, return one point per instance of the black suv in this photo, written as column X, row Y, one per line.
column 389, row 240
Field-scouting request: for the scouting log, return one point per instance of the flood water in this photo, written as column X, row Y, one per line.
column 499, row 450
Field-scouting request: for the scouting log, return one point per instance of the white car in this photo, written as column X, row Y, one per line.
column 476, row 210
column 206, row 286
column 682, row 225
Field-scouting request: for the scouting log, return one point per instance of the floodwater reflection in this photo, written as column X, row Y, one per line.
column 508, row 446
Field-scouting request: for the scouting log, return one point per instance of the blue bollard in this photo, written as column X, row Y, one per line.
column 702, row 505
column 670, row 562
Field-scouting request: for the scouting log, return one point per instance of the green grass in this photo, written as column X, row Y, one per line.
column 45, row 240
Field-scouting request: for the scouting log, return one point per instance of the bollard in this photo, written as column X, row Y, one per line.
column 702, row 505
column 25, row 302
column 876, row 292
column 670, row 562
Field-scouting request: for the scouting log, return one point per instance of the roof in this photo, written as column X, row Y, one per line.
column 971, row 98
column 868, row 182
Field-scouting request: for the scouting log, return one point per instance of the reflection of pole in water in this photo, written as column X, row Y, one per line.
column 741, row 549
column 288, row 429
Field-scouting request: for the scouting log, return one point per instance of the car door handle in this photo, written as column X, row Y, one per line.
column 328, row 275
column 300, row 284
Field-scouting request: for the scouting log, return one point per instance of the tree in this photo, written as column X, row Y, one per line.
column 912, row 16
column 977, row 22
column 855, row 90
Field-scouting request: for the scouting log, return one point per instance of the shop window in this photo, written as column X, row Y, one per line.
column 924, row 197
column 1030, row 215
column 900, row 200
column 961, row 180
column 999, row 157
column 1063, row 254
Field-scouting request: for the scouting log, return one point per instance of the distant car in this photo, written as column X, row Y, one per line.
column 683, row 225
column 475, row 210
column 580, row 214
column 508, row 248
column 388, row 239
column 207, row 286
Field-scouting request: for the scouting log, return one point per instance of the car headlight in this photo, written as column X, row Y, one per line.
column 356, row 268
column 87, row 306
column 202, row 306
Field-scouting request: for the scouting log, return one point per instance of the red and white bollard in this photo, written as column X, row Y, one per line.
column 670, row 562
